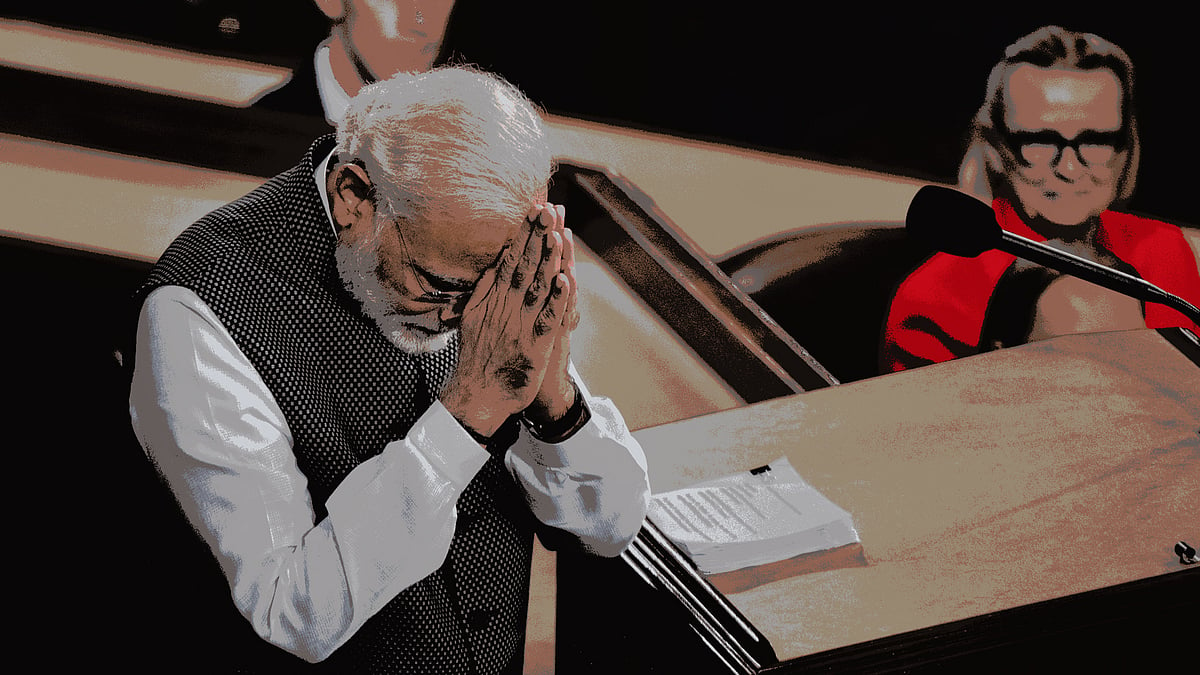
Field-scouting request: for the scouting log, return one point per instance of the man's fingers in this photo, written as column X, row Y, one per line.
column 568, row 268
column 551, row 316
column 534, row 211
column 482, row 288
column 548, row 266
column 571, row 311
column 561, row 212
column 529, row 245
column 568, row 254
column 571, row 320
column 531, row 255
column 510, row 261
column 549, row 217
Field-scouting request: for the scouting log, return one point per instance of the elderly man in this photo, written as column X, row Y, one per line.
column 1054, row 149
column 357, row 382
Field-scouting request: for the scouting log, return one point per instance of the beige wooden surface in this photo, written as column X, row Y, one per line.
column 977, row 485
column 724, row 197
column 127, row 63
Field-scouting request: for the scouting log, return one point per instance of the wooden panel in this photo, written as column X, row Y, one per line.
column 84, row 198
column 683, row 286
column 724, row 197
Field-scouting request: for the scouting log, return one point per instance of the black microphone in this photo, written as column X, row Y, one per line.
column 955, row 223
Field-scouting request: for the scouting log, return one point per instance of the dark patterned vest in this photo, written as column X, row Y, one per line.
column 265, row 266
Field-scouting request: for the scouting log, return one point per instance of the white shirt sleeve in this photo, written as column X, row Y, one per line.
column 593, row 485
column 218, row 437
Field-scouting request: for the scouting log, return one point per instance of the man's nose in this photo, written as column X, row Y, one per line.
column 1069, row 165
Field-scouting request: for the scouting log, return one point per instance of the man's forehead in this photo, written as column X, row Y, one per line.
column 473, row 240
column 1038, row 98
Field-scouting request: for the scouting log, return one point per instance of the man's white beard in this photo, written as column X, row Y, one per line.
column 359, row 269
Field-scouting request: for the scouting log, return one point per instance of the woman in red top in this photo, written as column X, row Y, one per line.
column 1055, row 150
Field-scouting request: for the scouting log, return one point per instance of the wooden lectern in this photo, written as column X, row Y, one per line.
column 1019, row 510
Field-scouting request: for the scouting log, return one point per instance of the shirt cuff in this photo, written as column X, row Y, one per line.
column 439, row 437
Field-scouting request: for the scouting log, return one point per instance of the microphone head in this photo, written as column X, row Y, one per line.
column 950, row 221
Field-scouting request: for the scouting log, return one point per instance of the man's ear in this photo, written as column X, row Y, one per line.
column 334, row 9
column 350, row 194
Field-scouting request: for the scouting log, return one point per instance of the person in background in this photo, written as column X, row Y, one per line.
column 369, row 40
column 1054, row 149
column 357, row 382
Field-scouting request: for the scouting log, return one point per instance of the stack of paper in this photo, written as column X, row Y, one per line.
column 767, row 515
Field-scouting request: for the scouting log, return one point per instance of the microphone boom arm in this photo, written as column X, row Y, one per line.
column 1087, row 270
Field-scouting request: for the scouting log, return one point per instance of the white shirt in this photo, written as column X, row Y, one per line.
column 214, row 430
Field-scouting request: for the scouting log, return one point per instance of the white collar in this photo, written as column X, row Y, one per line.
column 334, row 99
column 319, row 179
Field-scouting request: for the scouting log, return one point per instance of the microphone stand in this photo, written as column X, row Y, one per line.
column 1085, row 269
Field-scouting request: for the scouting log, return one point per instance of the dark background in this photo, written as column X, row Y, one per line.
column 889, row 91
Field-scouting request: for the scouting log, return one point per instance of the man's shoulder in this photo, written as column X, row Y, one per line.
column 237, row 233
column 290, row 194
column 236, row 222
column 206, row 248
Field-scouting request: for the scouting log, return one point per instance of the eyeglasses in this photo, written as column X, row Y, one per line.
column 435, row 289
column 1047, row 146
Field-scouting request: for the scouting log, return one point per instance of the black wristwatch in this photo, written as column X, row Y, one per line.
column 564, row 427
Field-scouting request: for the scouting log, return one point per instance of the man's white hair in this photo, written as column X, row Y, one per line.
column 450, row 142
